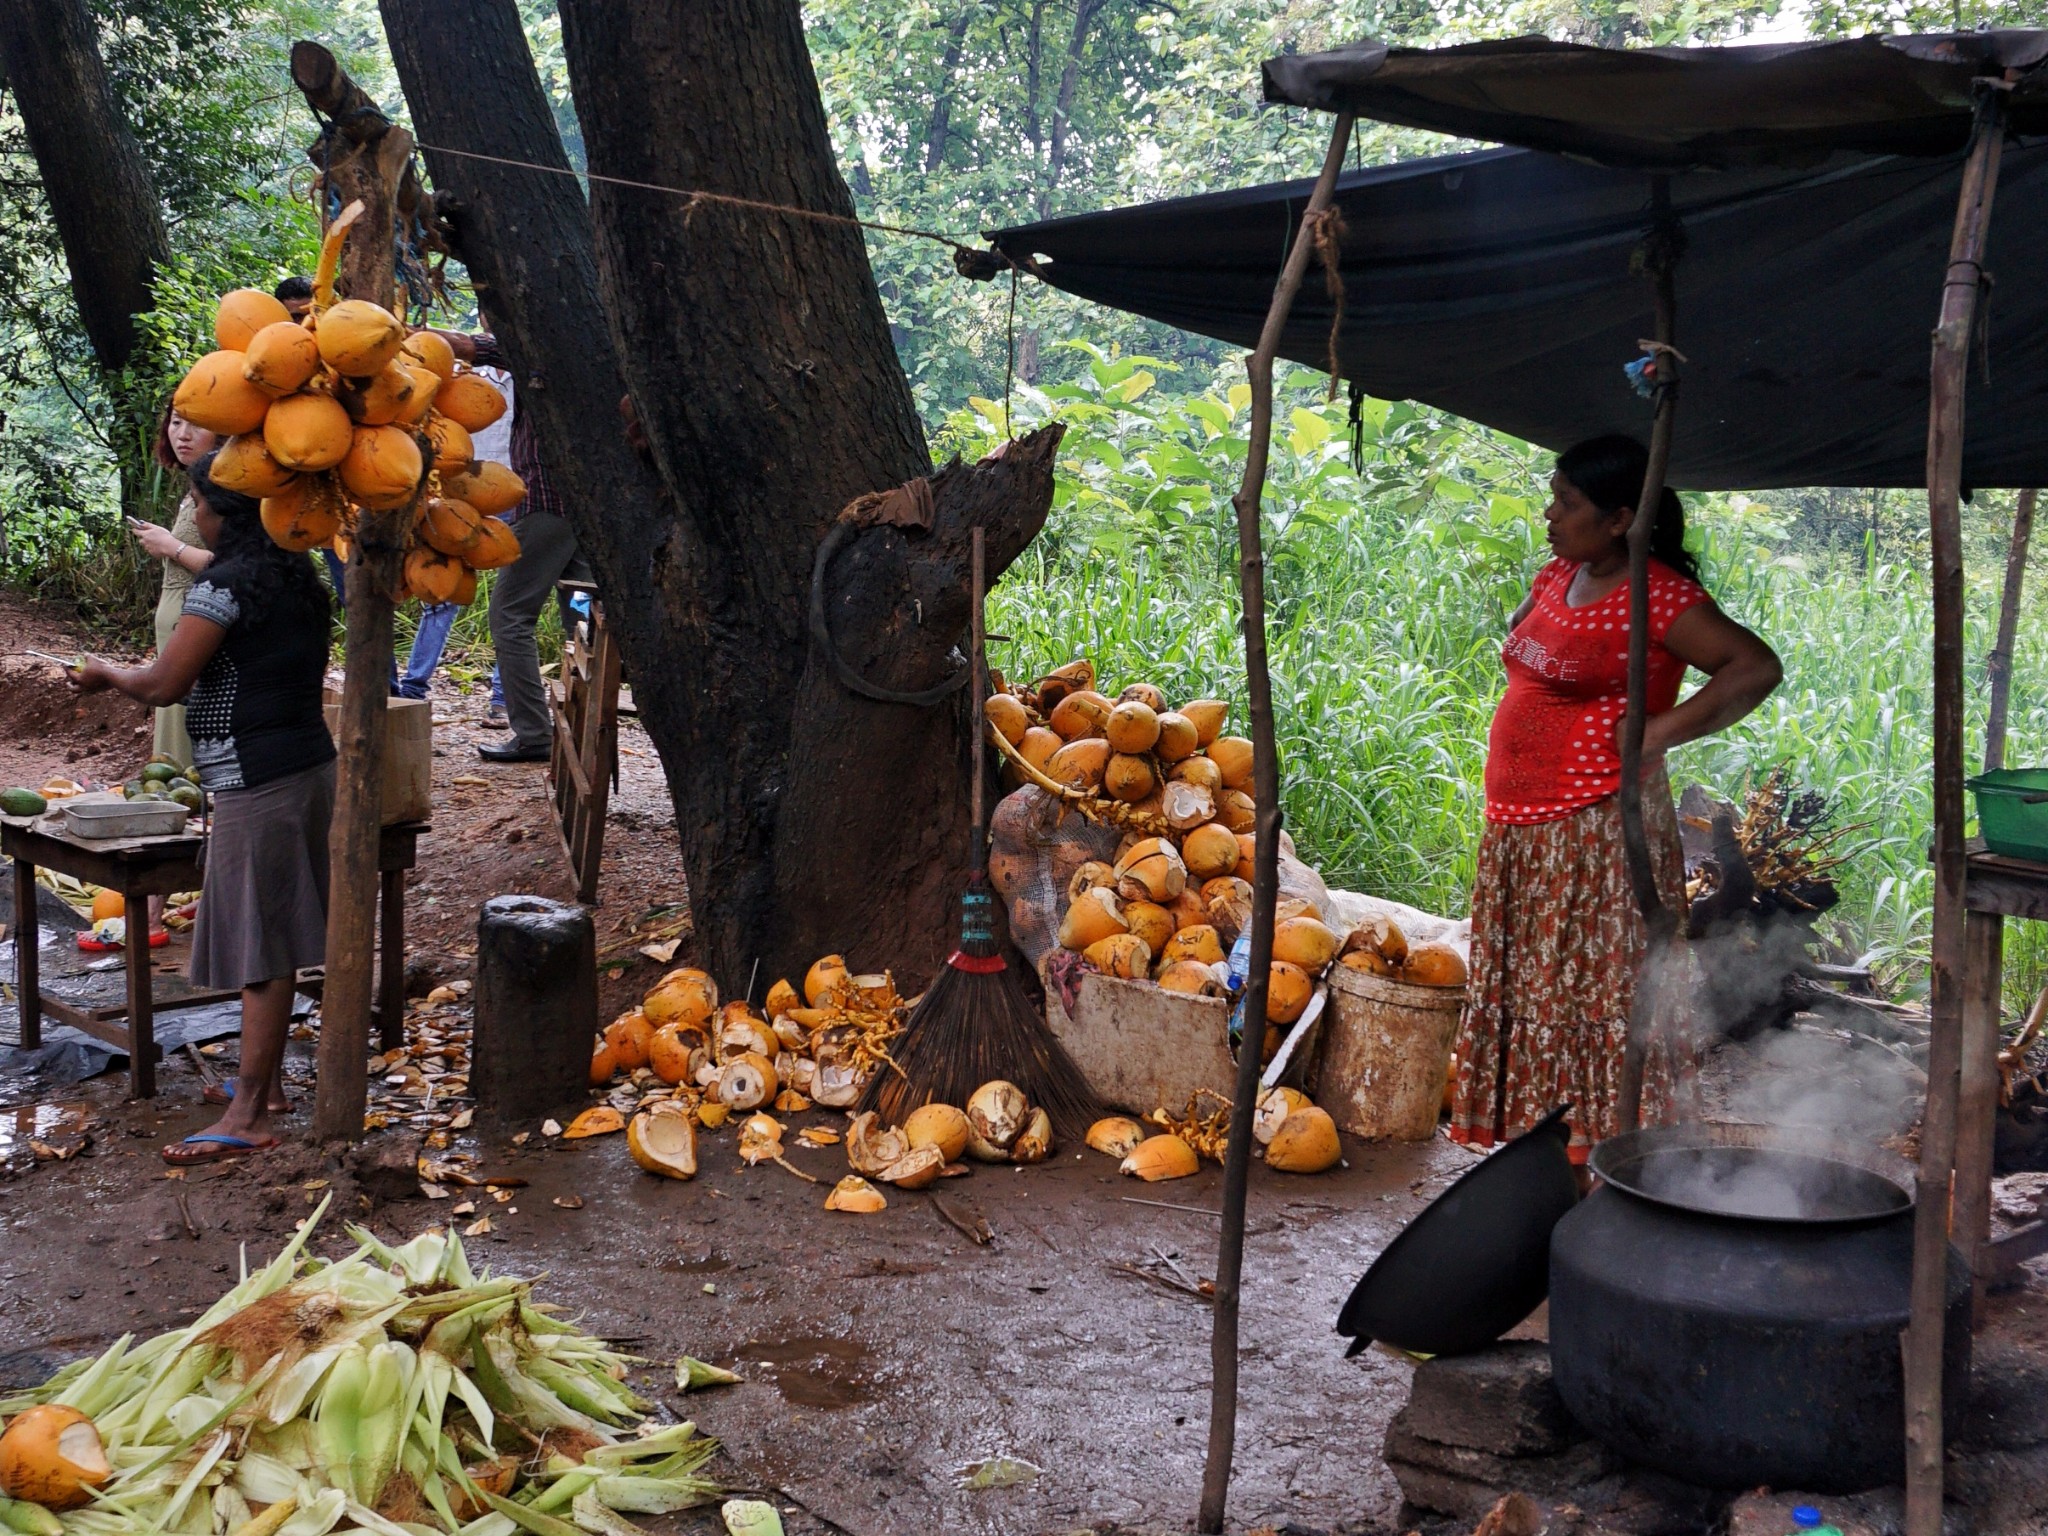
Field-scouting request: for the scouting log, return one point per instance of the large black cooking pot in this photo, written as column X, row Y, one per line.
column 1726, row 1308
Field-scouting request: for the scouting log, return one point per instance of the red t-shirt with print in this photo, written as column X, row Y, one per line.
column 1551, row 751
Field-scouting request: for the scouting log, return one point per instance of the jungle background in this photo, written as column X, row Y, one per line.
column 1390, row 579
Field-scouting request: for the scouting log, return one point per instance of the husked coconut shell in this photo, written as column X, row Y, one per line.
column 746, row 1081
column 1090, row 876
column 1095, row 915
column 1127, row 778
column 760, row 1139
column 1006, row 717
column 689, row 995
column 870, row 1147
column 803, row 1077
column 663, row 1139
column 826, row 976
column 1132, row 726
column 242, row 315
column 1208, row 716
column 1306, row 942
column 917, row 1168
column 836, row 1086
column 855, row 1195
column 52, row 1455
column 1306, row 1142
column 739, row 1033
column 938, row 1125
column 1288, row 989
column 1382, row 935
column 781, row 998
column 1034, row 1142
column 1274, row 1106
column 996, row 1112
column 669, row 1053
column 1151, row 871
column 1209, row 851
column 791, row 1035
column 1115, row 1135
column 875, row 990
column 1229, row 903
column 281, row 358
column 1150, row 922
column 214, row 395
column 1061, row 681
column 1121, row 954
column 1178, row 738
column 1160, row 1157
column 1186, row 807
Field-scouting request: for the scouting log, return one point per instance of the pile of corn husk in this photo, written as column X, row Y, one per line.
column 393, row 1392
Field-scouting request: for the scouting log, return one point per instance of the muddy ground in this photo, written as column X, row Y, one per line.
column 883, row 1356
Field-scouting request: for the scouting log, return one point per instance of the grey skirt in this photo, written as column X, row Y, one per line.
column 263, row 905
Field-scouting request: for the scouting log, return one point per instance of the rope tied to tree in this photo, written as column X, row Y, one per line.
column 1328, row 231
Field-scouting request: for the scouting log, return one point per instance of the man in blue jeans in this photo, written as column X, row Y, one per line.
column 429, row 640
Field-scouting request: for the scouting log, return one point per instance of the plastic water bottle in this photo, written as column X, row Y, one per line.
column 1238, row 967
column 1806, row 1521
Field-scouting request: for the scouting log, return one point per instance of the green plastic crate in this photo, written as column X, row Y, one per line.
column 2011, row 826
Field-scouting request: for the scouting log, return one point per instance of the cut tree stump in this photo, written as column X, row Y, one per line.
column 536, row 1008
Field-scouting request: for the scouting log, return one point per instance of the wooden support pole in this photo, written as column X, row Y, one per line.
column 1660, row 255
column 1998, row 665
column 1266, row 852
column 363, row 157
column 1947, row 374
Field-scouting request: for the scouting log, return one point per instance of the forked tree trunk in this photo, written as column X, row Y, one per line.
column 93, row 174
column 759, row 361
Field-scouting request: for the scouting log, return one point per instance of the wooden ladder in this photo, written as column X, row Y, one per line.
column 583, row 766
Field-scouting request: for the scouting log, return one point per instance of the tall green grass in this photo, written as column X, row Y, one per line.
column 1388, row 593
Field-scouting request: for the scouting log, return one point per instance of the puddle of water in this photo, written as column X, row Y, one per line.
column 59, row 1127
column 812, row 1373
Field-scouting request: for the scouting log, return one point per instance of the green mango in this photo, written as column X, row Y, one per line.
column 22, row 802
column 188, row 795
column 159, row 773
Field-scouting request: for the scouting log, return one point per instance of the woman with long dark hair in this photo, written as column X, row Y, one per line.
column 1557, row 937
column 248, row 658
column 178, row 446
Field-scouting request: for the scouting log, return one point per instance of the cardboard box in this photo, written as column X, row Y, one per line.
column 408, row 787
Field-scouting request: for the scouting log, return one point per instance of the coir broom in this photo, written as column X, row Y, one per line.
column 975, row 1021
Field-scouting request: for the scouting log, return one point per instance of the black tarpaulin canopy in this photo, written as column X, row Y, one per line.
column 1497, row 284
column 1677, row 109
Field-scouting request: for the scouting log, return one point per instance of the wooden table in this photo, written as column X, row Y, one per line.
column 140, row 868
column 1994, row 889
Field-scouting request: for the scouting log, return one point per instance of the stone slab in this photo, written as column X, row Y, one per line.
column 1499, row 1400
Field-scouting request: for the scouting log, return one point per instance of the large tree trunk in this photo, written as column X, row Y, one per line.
column 759, row 362
column 92, row 170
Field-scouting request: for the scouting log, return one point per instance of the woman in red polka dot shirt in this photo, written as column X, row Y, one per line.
column 1556, row 935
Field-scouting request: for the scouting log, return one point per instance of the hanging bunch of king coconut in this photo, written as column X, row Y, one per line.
column 343, row 413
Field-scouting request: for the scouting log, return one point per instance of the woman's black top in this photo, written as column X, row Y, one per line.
column 255, row 713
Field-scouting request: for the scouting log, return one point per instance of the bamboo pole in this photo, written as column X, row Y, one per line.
column 1661, row 251
column 1266, row 851
column 1947, row 376
column 1998, row 665
column 372, row 170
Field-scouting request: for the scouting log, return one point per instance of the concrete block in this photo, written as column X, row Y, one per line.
column 1499, row 1400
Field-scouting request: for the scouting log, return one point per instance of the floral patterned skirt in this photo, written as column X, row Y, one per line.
column 1557, row 943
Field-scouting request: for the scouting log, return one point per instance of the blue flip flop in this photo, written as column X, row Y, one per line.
column 213, row 1147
